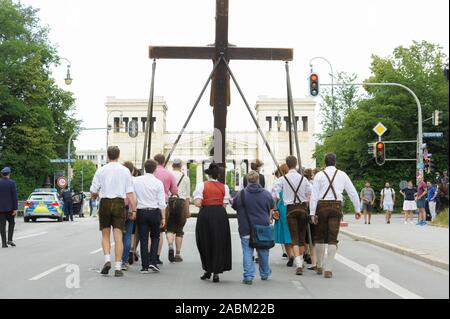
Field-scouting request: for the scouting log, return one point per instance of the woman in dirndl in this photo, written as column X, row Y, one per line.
column 212, row 232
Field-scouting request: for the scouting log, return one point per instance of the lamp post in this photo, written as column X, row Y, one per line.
column 108, row 127
column 68, row 80
column 333, row 110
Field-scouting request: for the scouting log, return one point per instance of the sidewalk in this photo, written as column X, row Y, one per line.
column 429, row 244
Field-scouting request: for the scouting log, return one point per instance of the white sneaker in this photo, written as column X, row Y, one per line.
column 406, row 223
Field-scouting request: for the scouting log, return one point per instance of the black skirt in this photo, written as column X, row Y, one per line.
column 214, row 239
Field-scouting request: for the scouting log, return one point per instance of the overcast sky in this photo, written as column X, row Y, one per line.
column 107, row 42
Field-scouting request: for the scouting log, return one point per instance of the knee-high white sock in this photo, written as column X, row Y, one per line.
column 320, row 252
column 331, row 253
column 299, row 261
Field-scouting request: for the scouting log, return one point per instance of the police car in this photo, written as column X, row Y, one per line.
column 43, row 203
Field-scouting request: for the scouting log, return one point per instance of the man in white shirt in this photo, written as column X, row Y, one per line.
column 326, row 207
column 113, row 183
column 178, row 211
column 387, row 201
column 296, row 189
column 150, row 214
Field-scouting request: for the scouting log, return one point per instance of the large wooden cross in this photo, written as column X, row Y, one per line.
column 220, row 89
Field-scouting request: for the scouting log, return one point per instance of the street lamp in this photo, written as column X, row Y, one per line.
column 108, row 127
column 332, row 87
column 68, row 80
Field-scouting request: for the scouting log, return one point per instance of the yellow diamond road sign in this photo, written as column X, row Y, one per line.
column 380, row 129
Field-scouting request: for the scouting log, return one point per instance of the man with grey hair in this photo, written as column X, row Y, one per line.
column 326, row 210
column 253, row 204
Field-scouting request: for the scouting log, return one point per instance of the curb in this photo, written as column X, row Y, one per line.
column 419, row 255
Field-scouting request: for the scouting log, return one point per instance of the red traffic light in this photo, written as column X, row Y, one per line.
column 314, row 77
column 380, row 145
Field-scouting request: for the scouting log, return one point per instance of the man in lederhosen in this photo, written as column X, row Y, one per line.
column 326, row 210
column 295, row 188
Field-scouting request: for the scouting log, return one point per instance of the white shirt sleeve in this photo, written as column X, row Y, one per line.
column 95, row 186
column 198, row 193
column 352, row 193
column 315, row 194
column 276, row 188
column 161, row 196
column 226, row 199
column 130, row 185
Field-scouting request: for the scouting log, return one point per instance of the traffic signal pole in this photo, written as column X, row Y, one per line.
column 419, row 152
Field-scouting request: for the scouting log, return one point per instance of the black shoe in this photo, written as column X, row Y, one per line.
column 290, row 263
column 206, row 275
column 144, row 271
column 4, row 246
column 131, row 259
column 118, row 273
column 155, row 268
column 106, row 268
column 159, row 262
column 284, row 256
column 171, row 255
column 136, row 257
column 257, row 260
column 11, row 244
column 216, row 278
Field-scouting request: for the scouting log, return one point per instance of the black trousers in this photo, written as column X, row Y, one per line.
column 148, row 222
column 68, row 210
column 7, row 217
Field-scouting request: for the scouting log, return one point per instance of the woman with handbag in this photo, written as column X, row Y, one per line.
column 282, row 234
column 253, row 205
column 212, row 231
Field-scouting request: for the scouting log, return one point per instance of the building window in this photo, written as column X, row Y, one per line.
column 144, row 122
column 305, row 123
column 125, row 121
column 116, row 125
column 269, row 119
column 279, row 124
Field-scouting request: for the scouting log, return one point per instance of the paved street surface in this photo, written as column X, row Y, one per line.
column 430, row 240
column 36, row 268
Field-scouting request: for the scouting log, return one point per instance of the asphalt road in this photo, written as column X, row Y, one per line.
column 47, row 253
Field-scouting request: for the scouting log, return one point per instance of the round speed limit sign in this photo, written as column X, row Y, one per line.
column 62, row 182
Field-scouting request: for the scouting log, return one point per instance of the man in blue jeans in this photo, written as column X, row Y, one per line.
column 258, row 206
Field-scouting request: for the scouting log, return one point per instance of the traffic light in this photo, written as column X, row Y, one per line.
column 380, row 153
column 314, row 84
column 437, row 118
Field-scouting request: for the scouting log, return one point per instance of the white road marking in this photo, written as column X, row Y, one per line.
column 384, row 282
column 31, row 235
column 99, row 250
column 45, row 273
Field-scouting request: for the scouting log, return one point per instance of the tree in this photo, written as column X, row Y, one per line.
column 345, row 98
column 420, row 68
column 83, row 173
column 36, row 117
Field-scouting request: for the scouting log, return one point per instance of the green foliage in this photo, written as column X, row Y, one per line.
column 441, row 219
column 420, row 68
column 231, row 180
column 35, row 115
column 83, row 173
column 193, row 176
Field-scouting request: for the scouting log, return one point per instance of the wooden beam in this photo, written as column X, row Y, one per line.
column 164, row 52
column 235, row 53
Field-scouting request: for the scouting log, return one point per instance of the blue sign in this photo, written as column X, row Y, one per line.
column 433, row 134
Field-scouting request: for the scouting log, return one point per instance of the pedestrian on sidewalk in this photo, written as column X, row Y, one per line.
column 282, row 234
column 212, row 232
column 421, row 201
column 256, row 166
column 113, row 183
column 129, row 224
column 170, row 187
column 8, row 206
column 367, row 201
column 151, row 204
column 253, row 206
column 431, row 198
column 178, row 212
column 310, row 174
column 296, row 190
column 387, row 201
column 326, row 208
column 409, row 203
column 67, row 196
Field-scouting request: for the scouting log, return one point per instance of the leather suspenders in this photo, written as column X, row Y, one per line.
column 331, row 185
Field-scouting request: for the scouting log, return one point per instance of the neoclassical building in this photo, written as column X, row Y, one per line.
column 194, row 147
